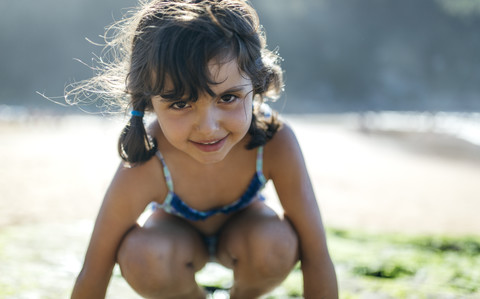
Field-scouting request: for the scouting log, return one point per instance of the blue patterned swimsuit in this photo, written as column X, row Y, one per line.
column 173, row 204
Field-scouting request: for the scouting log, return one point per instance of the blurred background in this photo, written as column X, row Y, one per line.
column 339, row 55
column 384, row 97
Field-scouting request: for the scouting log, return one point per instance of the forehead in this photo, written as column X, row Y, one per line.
column 215, row 77
column 226, row 73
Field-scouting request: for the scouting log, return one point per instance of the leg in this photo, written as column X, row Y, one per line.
column 159, row 260
column 261, row 249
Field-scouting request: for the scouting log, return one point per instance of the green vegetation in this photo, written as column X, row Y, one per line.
column 395, row 265
column 400, row 265
column 42, row 261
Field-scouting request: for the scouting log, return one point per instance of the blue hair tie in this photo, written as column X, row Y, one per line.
column 137, row 113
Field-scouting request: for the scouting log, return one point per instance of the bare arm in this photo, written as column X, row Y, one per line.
column 123, row 203
column 289, row 174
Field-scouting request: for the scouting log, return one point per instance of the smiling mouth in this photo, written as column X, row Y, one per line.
column 210, row 145
column 210, row 142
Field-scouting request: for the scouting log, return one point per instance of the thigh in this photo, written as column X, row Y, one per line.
column 260, row 236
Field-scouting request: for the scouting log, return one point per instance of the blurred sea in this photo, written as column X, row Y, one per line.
column 460, row 125
column 464, row 126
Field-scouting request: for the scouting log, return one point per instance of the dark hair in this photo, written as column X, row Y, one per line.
column 175, row 40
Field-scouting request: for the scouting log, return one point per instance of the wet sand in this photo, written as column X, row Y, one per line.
column 56, row 170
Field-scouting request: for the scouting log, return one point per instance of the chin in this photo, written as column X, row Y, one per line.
column 210, row 160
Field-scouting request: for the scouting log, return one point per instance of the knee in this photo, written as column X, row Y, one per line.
column 155, row 267
column 276, row 251
column 272, row 249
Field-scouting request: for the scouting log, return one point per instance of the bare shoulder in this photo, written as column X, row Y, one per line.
column 282, row 152
column 283, row 141
column 138, row 185
column 144, row 179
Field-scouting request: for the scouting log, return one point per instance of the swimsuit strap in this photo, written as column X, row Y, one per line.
column 259, row 167
column 166, row 172
column 174, row 204
column 168, row 176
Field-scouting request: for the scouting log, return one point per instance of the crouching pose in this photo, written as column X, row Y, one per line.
column 202, row 71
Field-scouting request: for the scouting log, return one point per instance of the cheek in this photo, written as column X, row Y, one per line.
column 242, row 116
column 173, row 128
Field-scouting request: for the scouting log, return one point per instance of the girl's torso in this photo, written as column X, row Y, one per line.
column 218, row 190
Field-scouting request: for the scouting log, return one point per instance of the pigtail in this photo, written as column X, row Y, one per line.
column 262, row 128
column 134, row 144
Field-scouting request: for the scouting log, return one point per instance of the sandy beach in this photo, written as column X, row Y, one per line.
column 56, row 169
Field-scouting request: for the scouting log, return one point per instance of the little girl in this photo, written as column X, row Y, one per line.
column 202, row 69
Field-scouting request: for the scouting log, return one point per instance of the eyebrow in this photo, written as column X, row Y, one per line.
column 233, row 89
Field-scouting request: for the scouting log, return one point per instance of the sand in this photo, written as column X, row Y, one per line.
column 56, row 170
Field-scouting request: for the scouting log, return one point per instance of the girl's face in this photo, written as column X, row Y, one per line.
column 210, row 127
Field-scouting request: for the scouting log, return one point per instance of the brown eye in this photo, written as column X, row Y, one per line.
column 228, row 98
column 179, row 105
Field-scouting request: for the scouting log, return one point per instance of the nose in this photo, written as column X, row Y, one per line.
column 207, row 120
